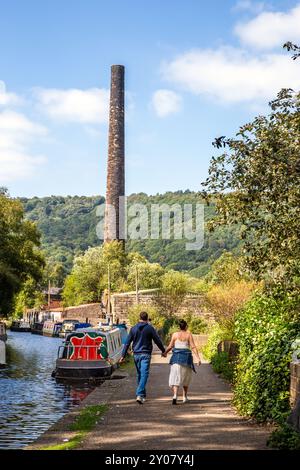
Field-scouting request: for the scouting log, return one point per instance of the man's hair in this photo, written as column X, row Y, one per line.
column 144, row 316
column 182, row 324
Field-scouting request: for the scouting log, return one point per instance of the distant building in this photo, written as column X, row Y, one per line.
column 53, row 298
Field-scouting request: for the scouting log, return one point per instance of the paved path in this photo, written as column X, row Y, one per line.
column 207, row 422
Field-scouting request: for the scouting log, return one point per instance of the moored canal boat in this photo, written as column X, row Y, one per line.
column 90, row 354
column 71, row 325
column 3, row 338
column 22, row 326
column 37, row 328
column 51, row 328
column 3, row 334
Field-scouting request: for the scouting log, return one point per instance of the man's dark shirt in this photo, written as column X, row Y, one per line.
column 141, row 336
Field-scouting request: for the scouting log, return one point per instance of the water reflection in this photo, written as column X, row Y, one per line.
column 30, row 399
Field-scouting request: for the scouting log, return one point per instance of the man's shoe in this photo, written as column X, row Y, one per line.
column 174, row 401
column 140, row 400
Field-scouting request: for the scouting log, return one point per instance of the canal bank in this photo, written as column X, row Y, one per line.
column 208, row 421
column 31, row 401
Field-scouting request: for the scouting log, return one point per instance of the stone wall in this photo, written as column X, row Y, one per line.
column 295, row 382
column 193, row 303
column 88, row 312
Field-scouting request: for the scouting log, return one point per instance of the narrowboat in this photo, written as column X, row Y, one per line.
column 90, row 354
column 71, row 325
column 51, row 328
column 3, row 338
column 21, row 326
column 37, row 328
column 121, row 326
column 3, row 335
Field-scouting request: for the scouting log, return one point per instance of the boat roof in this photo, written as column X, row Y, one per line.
column 98, row 330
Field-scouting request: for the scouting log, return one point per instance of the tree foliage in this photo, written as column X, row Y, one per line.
column 20, row 258
column 68, row 227
column 265, row 330
column 256, row 184
column 108, row 263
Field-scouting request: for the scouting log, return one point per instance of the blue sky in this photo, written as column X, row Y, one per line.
column 194, row 70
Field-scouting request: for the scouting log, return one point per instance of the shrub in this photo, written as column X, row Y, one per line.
column 265, row 331
column 222, row 365
column 196, row 324
column 226, row 299
column 157, row 319
column 285, row 438
column 215, row 335
column 174, row 287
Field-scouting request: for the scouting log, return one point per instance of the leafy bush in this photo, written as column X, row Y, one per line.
column 225, row 300
column 222, row 365
column 157, row 319
column 285, row 438
column 226, row 269
column 196, row 324
column 174, row 287
column 265, row 330
column 215, row 334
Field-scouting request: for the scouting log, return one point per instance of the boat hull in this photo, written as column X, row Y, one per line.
column 2, row 354
column 82, row 370
column 21, row 330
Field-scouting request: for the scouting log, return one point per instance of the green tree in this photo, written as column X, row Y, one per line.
column 30, row 296
column 256, row 184
column 174, row 287
column 20, row 258
column 89, row 276
column 226, row 269
column 149, row 274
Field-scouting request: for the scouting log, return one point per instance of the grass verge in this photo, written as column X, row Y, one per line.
column 83, row 424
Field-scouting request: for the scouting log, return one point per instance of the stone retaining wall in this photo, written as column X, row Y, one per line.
column 193, row 303
column 87, row 312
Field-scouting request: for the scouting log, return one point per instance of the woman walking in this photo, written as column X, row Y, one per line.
column 182, row 344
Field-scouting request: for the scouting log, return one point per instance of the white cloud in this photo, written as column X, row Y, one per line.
column 248, row 5
column 270, row 29
column 11, row 121
column 232, row 75
column 74, row 105
column 166, row 102
column 8, row 98
column 16, row 134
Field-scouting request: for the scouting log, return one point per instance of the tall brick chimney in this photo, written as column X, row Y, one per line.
column 115, row 186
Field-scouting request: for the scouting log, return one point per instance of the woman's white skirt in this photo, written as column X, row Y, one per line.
column 180, row 376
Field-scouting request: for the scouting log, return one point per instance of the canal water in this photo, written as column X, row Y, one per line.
column 30, row 399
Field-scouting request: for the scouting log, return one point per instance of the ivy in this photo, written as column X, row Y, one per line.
column 265, row 330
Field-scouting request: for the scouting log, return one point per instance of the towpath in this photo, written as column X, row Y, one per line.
column 207, row 422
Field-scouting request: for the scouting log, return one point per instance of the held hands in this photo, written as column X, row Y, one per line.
column 164, row 354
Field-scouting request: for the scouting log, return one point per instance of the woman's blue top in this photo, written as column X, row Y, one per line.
column 183, row 357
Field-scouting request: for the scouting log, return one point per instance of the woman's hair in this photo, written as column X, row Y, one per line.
column 182, row 324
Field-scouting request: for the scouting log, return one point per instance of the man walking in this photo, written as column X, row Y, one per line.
column 141, row 336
